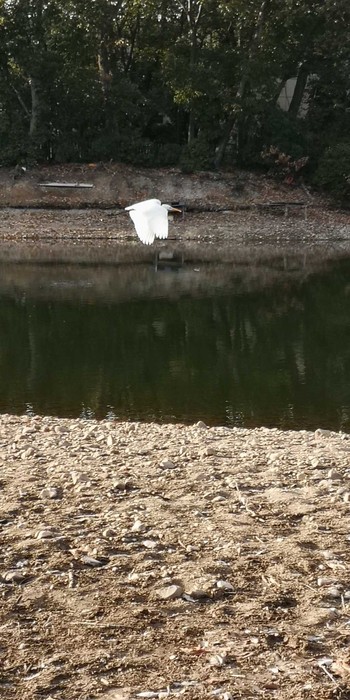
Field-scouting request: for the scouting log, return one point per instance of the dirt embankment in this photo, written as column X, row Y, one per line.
column 111, row 185
column 117, row 185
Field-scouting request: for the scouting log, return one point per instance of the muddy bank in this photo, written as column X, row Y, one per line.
column 108, row 236
column 105, row 185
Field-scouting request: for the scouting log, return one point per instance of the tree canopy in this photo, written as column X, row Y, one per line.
column 189, row 82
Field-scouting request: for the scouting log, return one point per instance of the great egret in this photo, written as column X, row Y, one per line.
column 150, row 219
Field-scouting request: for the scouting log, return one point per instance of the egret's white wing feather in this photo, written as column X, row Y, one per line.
column 150, row 220
column 144, row 206
column 142, row 227
column 158, row 221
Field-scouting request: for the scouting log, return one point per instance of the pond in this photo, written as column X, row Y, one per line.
column 250, row 344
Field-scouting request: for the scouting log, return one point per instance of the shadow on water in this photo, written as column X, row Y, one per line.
column 263, row 342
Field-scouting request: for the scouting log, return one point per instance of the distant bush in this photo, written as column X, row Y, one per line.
column 284, row 132
column 283, row 166
column 197, row 155
column 137, row 150
column 333, row 171
column 149, row 154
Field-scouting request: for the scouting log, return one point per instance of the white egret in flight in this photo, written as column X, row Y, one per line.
column 150, row 219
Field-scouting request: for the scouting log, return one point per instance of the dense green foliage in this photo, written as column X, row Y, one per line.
column 190, row 82
column 333, row 172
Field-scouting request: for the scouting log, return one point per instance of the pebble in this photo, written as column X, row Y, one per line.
column 324, row 580
column 167, row 464
column 14, row 576
column 123, row 485
column 91, row 561
column 49, row 492
column 217, row 660
column 207, row 452
column 324, row 661
column 45, row 534
column 149, row 544
column 79, row 477
column 138, row 526
column 170, row 592
column 334, row 592
column 198, row 593
column 224, row 585
column 334, row 474
column 320, row 433
column 200, row 425
column 109, row 532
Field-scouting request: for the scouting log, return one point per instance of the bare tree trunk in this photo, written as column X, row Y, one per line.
column 191, row 120
column 35, row 115
column 244, row 83
column 192, row 10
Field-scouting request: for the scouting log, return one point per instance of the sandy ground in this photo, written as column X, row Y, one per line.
column 147, row 561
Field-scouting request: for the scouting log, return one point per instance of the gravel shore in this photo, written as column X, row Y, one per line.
column 145, row 560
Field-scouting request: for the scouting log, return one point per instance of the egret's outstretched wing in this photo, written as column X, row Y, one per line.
column 145, row 205
column 150, row 220
column 142, row 227
column 158, row 221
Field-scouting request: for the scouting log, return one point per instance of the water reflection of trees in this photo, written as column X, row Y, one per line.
column 243, row 269
column 277, row 355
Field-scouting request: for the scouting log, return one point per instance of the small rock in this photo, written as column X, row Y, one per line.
column 198, row 593
column 170, row 592
column 29, row 452
column 79, row 477
column 125, row 485
column 200, row 425
column 167, row 464
column 149, row 544
column 110, row 441
column 224, row 585
column 334, row 474
column 14, row 576
column 49, row 492
column 138, row 526
column 324, row 661
column 91, row 561
column 334, row 592
column 133, row 576
column 316, row 463
column 45, row 534
column 324, row 580
column 207, row 452
column 217, row 660
column 320, row 433
column 108, row 532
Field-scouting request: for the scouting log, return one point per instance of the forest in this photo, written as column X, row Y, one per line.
column 188, row 83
